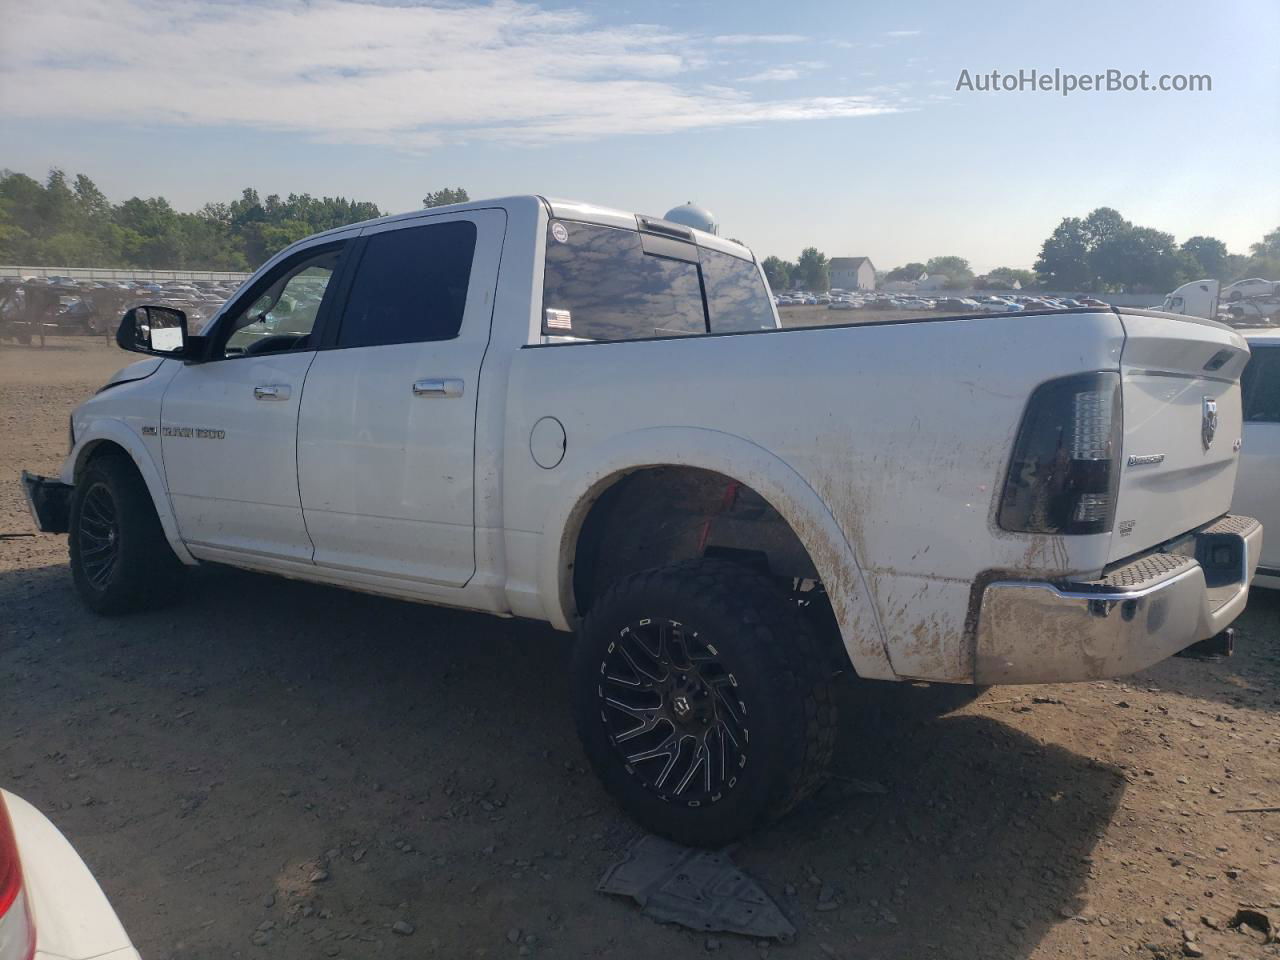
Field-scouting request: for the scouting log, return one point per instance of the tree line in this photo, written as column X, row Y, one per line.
column 68, row 221
column 1099, row 253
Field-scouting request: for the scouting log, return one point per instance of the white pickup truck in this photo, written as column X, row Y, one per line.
column 553, row 410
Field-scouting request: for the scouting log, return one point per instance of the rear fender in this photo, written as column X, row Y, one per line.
column 785, row 490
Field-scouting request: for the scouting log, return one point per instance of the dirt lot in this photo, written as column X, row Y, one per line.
column 277, row 770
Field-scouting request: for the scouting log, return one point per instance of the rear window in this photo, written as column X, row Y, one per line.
column 600, row 284
column 736, row 297
column 1260, row 386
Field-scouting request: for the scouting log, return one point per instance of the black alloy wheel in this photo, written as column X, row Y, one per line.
column 674, row 714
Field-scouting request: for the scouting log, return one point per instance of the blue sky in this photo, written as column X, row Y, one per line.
column 797, row 123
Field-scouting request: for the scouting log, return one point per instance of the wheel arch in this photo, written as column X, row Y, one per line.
column 738, row 460
column 105, row 438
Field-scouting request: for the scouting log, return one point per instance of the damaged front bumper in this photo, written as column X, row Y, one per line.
column 50, row 502
column 1137, row 614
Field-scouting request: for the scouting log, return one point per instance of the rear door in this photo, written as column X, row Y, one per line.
column 1182, row 427
column 1258, row 483
column 387, row 427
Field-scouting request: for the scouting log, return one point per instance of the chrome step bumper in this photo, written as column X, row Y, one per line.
column 1136, row 614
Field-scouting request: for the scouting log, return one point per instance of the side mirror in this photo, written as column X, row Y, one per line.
column 159, row 331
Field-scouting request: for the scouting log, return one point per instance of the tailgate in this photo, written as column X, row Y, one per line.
column 1181, row 396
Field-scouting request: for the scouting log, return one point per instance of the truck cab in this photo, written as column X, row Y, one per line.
column 1196, row 299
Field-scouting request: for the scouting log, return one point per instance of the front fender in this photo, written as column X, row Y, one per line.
column 101, row 430
column 785, row 490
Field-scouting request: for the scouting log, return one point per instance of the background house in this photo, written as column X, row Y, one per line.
column 852, row 273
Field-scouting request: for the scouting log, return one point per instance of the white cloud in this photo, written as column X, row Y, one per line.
column 903, row 33
column 771, row 75
column 411, row 75
column 742, row 39
column 791, row 71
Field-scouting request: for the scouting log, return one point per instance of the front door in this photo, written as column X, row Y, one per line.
column 387, row 427
column 229, row 426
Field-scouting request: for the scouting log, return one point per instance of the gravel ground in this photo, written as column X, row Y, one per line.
column 278, row 770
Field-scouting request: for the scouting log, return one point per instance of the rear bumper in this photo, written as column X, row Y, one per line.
column 49, row 501
column 1138, row 614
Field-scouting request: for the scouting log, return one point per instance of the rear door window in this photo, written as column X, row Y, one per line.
column 599, row 284
column 736, row 295
column 410, row 285
column 1260, row 386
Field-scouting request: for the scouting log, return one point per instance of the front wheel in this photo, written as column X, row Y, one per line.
column 703, row 702
column 120, row 559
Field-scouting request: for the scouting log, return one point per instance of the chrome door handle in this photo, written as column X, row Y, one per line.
column 272, row 391
column 437, row 387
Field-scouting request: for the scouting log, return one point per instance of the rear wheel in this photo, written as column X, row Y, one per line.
column 120, row 559
column 703, row 701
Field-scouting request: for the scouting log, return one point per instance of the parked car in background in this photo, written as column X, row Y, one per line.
column 1255, row 309
column 1253, row 287
column 51, row 907
column 1258, row 479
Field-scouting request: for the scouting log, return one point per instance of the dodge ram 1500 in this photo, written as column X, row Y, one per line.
column 553, row 410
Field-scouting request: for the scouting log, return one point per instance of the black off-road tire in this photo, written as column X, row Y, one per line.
column 111, row 504
column 778, row 675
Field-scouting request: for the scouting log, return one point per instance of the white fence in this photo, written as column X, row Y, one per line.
column 110, row 273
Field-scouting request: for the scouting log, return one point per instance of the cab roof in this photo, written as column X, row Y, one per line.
column 565, row 210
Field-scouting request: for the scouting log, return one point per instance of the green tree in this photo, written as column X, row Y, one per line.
column 956, row 269
column 1105, row 252
column 778, row 271
column 1264, row 258
column 1102, row 225
column 1141, row 260
column 64, row 222
column 812, row 270
column 1002, row 278
column 908, row 271
column 1063, row 263
column 1208, row 254
column 441, row 198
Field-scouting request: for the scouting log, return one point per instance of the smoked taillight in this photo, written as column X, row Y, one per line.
column 17, row 932
column 1065, row 469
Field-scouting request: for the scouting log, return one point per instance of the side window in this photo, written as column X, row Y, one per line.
column 736, row 297
column 283, row 315
column 599, row 284
column 410, row 286
column 1260, row 386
